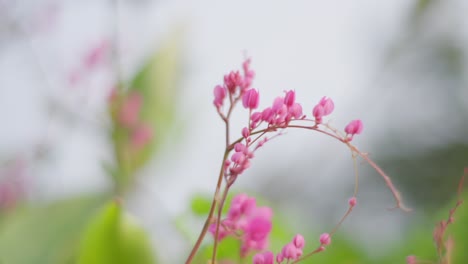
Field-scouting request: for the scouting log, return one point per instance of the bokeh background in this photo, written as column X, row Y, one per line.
column 400, row 66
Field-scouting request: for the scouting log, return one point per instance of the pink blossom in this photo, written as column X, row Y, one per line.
column 264, row 258
column 219, row 94
column 249, row 75
column 323, row 108
column 325, row 239
column 289, row 98
column 352, row 201
column 245, row 132
column 252, row 222
column 354, row 127
column 250, row 99
column 141, row 136
column 299, row 241
column 278, row 104
column 130, row 110
column 411, row 260
column 295, row 111
column 232, row 81
column 238, row 157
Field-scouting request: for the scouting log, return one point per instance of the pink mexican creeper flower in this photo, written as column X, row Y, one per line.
column 254, row 223
column 130, row 110
column 219, row 94
column 264, row 258
column 141, row 136
column 323, row 108
column 353, row 128
column 325, row 239
column 292, row 250
column 250, row 99
column 411, row 260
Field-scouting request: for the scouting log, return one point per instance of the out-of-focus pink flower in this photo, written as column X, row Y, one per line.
column 96, row 55
column 252, row 222
column 299, row 241
column 232, row 81
column 264, row 258
column 352, row 201
column 250, row 99
column 325, row 239
column 130, row 110
column 219, row 94
column 411, row 260
column 141, row 136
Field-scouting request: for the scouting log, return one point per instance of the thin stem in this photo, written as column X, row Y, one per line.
column 218, row 221
column 210, row 214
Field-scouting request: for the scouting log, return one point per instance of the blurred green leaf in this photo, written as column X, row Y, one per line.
column 200, row 204
column 47, row 234
column 114, row 238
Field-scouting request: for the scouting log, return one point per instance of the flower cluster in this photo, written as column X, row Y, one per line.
column 252, row 224
column 291, row 251
column 245, row 220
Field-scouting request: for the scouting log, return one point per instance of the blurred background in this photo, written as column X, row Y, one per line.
column 74, row 73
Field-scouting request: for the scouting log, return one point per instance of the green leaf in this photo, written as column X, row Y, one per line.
column 46, row 234
column 114, row 238
column 200, row 205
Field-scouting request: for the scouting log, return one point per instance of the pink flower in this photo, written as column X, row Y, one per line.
column 411, row 260
column 232, row 81
column 352, row 201
column 299, row 241
column 219, row 94
column 289, row 98
column 354, row 127
column 325, row 239
column 130, row 110
column 250, row 99
column 141, row 136
column 264, row 258
column 323, row 108
column 295, row 111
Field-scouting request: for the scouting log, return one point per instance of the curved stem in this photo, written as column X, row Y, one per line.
column 218, row 221
column 210, row 214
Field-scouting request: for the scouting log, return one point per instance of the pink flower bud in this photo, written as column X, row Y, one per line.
column 232, row 81
column 352, row 201
column 239, row 147
column 296, row 111
column 250, row 99
column 130, row 110
column 411, row 260
column 289, row 98
column 317, row 112
column 267, row 115
column 327, row 105
column 279, row 258
column 238, row 157
column 299, row 241
column 219, row 94
column 354, row 127
column 141, row 136
column 325, row 239
column 245, row 132
column 277, row 105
